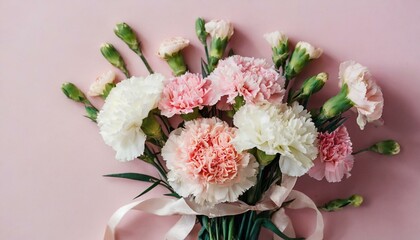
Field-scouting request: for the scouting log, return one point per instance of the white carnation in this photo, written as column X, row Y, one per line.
column 122, row 115
column 275, row 38
column 283, row 129
column 171, row 46
column 97, row 88
column 310, row 50
column 219, row 29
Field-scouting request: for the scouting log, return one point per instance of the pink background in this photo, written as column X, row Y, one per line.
column 53, row 159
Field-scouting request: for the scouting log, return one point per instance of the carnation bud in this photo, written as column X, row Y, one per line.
column 303, row 53
column 338, row 204
column 220, row 31
column 314, row 84
column 113, row 56
column 125, row 33
column 334, row 106
column 386, row 147
column 200, row 30
column 73, row 93
column 170, row 51
column 263, row 158
column 279, row 45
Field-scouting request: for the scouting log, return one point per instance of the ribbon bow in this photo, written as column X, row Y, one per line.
column 272, row 199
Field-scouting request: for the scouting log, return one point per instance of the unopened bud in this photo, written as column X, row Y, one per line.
column 303, row 53
column 338, row 204
column 113, row 56
column 200, row 30
column 314, row 84
column 386, row 147
column 126, row 33
column 73, row 93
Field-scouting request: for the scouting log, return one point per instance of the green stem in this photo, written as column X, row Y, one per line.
column 241, row 228
column 360, row 151
column 248, row 228
column 231, row 227
column 146, row 63
column 206, row 49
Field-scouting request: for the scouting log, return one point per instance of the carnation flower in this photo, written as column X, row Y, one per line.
column 275, row 39
column 310, row 50
column 184, row 93
column 335, row 159
column 278, row 128
column 365, row 94
column 172, row 46
column 254, row 79
column 204, row 164
column 219, row 29
column 122, row 115
column 97, row 88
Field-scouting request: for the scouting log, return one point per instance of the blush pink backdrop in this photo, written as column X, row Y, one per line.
column 52, row 159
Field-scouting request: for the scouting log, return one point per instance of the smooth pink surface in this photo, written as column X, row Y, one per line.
column 53, row 159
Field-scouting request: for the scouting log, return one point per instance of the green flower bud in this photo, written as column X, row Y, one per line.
column 279, row 45
column 335, row 106
column 263, row 158
column 151, row 127
column 303, row 53
column 338, row 204
column 356, row 200
column 125, row 33
column 113, row 56
column 314, row 84
column 200, row 30
column 386, row 147
column 73, row 93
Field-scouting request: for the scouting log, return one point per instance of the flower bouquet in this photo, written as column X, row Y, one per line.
column 229, row 143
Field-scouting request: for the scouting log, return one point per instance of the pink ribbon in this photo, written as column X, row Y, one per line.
column 272, row 199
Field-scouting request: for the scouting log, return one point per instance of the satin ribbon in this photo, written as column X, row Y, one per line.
column 272, row 200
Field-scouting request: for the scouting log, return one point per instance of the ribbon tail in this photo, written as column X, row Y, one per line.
column 182, row 228
column 283, row 223
column 302, row 201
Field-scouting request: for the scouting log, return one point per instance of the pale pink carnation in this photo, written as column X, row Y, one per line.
column 335, row 159
column 363, row 92
column 204, row 164
column 184, row 93
column 252, row 78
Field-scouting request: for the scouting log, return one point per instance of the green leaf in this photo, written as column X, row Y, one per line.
column 134, row 176
column 172, row 195
column 204, row 69
column 267, row 223
column 148, row 189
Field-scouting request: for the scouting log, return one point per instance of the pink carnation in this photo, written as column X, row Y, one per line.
column 335, row 159
column 184, row 93
column 363, row 92
column 204, row 164
column 254, row 79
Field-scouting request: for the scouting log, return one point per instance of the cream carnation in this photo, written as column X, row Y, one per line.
column 278, row 129
column 275, row 38
column 97, row 88
column 335, row 159
column 310, row 50
column 252, row 78
column 122, row 115
column 171, row 46
column 363, row 92
column 184, row 93
column 219, row 29
column 203, row 163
